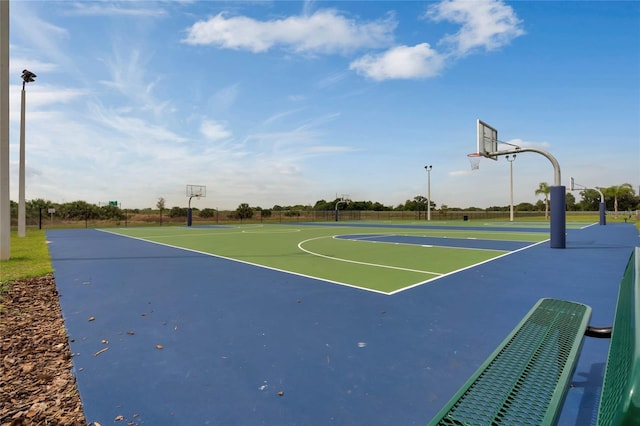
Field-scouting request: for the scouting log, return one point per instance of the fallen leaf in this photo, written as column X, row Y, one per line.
column 101, row 351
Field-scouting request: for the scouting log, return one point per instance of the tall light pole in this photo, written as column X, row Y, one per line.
column 5, row 199
column 27, row 77
column 428, row 169
column 511, row 159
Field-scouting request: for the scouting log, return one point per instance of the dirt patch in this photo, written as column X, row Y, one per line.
column 36, row 383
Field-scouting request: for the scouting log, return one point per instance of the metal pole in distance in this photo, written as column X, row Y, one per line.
column 336, row 210
column 27, row 77
column 428, row 169
column 511, row 160
column 5, row 203
column 21, row 200
column 603, row 208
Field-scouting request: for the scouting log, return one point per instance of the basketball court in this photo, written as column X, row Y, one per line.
column 383, row 259
column 168, row 328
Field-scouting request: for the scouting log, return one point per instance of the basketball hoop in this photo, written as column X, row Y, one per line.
column 474, row 160
column 196, row 191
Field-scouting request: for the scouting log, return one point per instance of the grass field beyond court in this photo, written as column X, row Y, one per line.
column 383, row 259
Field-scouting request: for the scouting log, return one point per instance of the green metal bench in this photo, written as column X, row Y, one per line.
column 525, row 380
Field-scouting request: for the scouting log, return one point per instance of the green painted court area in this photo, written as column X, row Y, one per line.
column 384, row 259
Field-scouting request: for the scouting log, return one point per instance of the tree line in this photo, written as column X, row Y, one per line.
column 617, row 198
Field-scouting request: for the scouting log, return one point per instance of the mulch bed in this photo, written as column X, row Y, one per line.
column 36, row 383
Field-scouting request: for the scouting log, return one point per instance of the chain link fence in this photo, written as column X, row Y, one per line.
column 46, row 220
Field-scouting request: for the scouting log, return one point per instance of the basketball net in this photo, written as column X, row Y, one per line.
column 474, row 160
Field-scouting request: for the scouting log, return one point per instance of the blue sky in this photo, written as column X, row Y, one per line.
column 284, row 102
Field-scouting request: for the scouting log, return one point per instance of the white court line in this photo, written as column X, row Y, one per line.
column 465, row 268
column 248, row 263
column 274, row 231
column 340, row 259
column 210, row 232
column 588, row 226
column 437, row 277
column 365, row 240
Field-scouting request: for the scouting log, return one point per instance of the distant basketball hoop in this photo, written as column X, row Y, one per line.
column 474, row 160
column 194, row 191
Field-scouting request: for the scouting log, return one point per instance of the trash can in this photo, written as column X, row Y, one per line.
column 465, row 218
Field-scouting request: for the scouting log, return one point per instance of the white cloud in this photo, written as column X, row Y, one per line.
column 331, row 79
column 37, row 38
column 487, row 24
column 324, row 149
column 136, row 129
column 17, row 64
column 214, row 131
column 460, row 173
column 42, row 95
column 128, row 67
column 226, row 97
column 400, row 62
column 111, row 9
column 325, row 31
column 279, row 116
column 528, row 144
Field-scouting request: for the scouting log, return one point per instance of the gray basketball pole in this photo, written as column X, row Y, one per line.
column 5, row 204
column 337, row 214
column 603, row 206
column 603, row 209
column 558, row 198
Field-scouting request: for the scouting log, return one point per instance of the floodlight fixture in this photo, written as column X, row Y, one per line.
column 28, row 76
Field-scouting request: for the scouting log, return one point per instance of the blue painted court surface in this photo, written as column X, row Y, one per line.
column 164, row 336
column 442, row 242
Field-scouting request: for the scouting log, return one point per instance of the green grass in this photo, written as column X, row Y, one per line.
column 29, row 258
